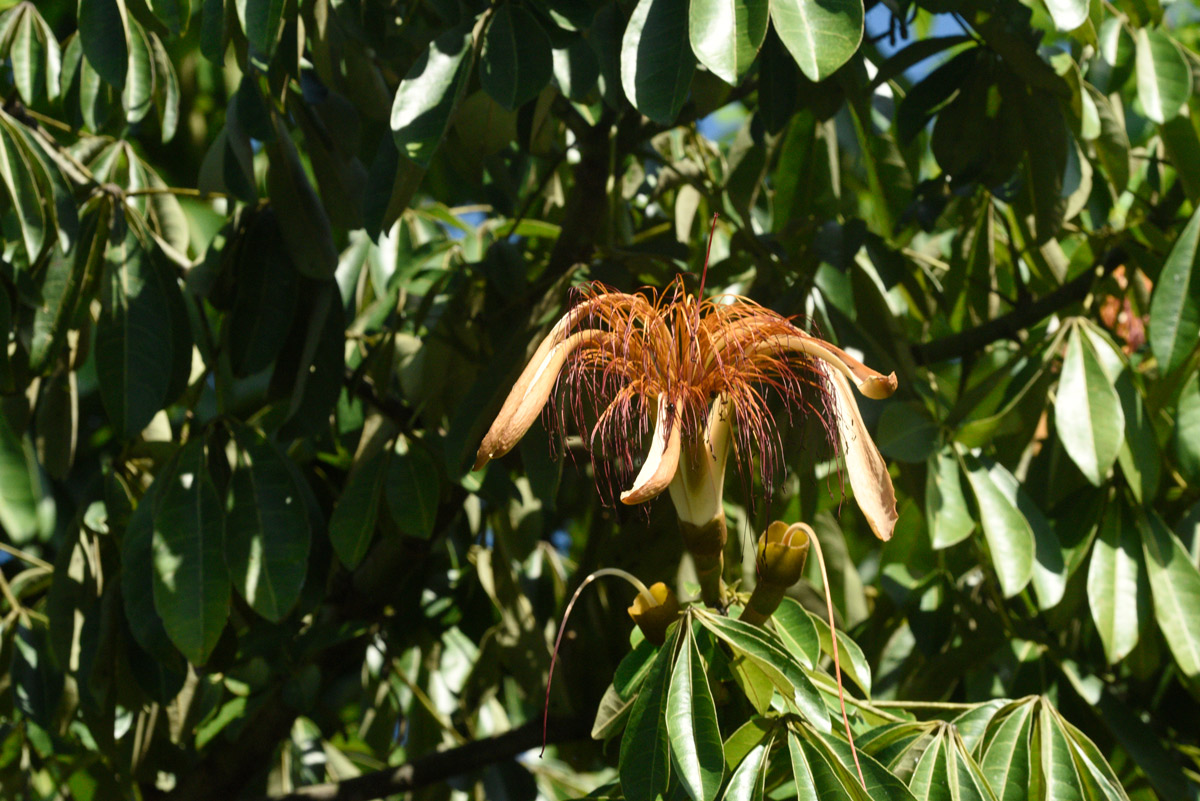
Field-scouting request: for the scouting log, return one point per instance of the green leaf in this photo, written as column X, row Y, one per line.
column 882, row 785
column 798, row 631
column 65, row 277
column 1175, row 587
column 726, row 35
column 429, row 94
column 191, row 582
column 767, row 654
column 644, row 759
column 1009, row 537
column 166, row 87
column 1140, row 458
column 103, row 32
column 656, row 59
column 35, row 58
column 746, row 783
column 16, row 171
column 267, row 287
column 175, row 14
column 853, row 660
column 906, row 433
column 133, row 369
column 815, row 779
column 1175, row 306
column 352, row 524
column 1187, row 429
column 138, row 94
column 1005, row 761
column 948, row 518
column 413, row 486
column 267, row 532
column 515, row 62
column 1067, row 14
column 302, row 219
column 1054, row 774
column 820, row 36
column 57, row 423
column 137, row 571
column 262, row 21
column 748, row 735
column 696, row 752
column 1118, row 590
column 1112, row 145
column 575, row 68
column 21, row 492
column 1087, row 411
column 1164, row 79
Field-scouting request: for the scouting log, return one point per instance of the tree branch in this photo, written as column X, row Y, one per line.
column 1009, row 325
column 442, row 765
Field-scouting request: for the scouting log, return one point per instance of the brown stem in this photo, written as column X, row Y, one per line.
column 442, row 765
column 1009, row 325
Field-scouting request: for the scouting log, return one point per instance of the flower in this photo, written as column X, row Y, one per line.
column 696, row 372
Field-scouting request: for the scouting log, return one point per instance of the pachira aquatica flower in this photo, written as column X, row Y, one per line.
column 695, row 375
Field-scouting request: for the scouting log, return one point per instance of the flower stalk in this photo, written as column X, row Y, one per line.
column 782, row 551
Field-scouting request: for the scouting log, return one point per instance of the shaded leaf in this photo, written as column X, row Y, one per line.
column 412, row 489
column 352, row 524
column 103, row 32
column 948, row 518
column 656, row 60
column 515, row 62
column 267, row 532
column 191, row 581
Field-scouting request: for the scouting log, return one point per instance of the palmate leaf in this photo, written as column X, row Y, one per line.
column 429, row 93
column 1175, row 306
column 644, row 760
column 769, row 655
column 696, row 752
column 104, row 33
column 17, row 167
column 1006, row 761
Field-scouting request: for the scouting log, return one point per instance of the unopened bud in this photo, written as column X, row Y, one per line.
column 780, row 563
column 653, row 620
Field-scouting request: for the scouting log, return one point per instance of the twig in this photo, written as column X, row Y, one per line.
column 442, row 765
column 1009, row 325
column 26, row 557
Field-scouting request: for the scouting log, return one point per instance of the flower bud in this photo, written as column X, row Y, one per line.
column 780, row 563
column 654, row 620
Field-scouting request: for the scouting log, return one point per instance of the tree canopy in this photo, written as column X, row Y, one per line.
column 927, row 270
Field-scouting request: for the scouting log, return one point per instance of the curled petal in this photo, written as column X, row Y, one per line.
column 868, row 472
column 870, row 382
column 663, row 459
column 530, row 393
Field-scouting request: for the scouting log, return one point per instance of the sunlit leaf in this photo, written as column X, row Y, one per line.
column 696, row 753
column 1087, row 411
column 820, row 36
column 656, row 59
